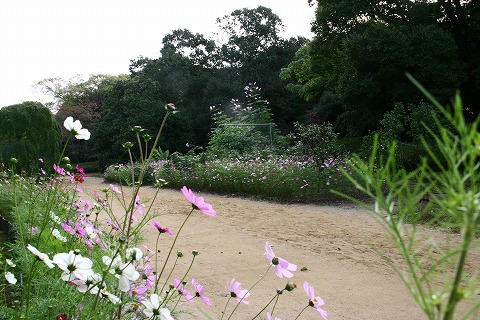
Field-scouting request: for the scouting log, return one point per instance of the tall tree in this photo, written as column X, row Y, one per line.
column 82, row 99
column 249, row 32
column 362, row 50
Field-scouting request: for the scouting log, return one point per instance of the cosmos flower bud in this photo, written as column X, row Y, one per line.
column 146, row 137
column 290, row 287
column 195, row 253
column 127, row 145
column 13, row 160
column 137, row 129
column 170, row 107
column 160, row 183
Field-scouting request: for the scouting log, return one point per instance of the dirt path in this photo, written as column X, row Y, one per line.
column 333, row 243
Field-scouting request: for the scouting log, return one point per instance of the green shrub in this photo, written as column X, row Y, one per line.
column 407, row 126
column 28, row 131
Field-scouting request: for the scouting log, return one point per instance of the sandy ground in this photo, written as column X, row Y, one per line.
column 333, row 242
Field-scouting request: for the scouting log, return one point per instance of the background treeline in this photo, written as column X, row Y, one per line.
column 351, row 74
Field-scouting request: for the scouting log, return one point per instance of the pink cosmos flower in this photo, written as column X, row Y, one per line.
column 181, row 289
column 137, row 291
column 236, row 291
column 139, row 205
column 115, row 189
column 282, row 267
column 315, row 302
column 199, row 292
column 59, row 169
column 161, row 229
column 198, row 203
column 269, row 317
column 81, row 171
column 147, row 276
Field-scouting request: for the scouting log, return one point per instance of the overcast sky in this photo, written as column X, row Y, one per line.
column 61, row 38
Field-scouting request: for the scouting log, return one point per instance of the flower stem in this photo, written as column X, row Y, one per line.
column 225, row 309
column 454, row 296
column 298, row 316
column 171, row 249
column 277, row 295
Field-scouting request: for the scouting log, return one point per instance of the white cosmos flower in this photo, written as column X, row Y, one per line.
column 75, row 127
column 134, row 254
column 58, row 235
column 10, row 277
column 74, row 266
column 125, row 272
column 89, row 284
column 10, row 263
column 153, row 311
column 54, row 217
column 113, row 298
column 41, row 256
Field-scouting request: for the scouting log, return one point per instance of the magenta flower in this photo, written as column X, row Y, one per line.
column 315, row 302
column 181, row 289
column 198, row 203
column 282, row 267
column 59, row 169
column 161, row 229
column 199, row 292
column 236, row 291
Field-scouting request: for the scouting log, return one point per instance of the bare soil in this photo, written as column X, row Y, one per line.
column 332, row 243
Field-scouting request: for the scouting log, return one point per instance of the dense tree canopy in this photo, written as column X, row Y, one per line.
column 362, row 50
column 197, row 74
column 82, row 99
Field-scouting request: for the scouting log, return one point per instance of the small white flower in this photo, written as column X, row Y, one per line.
column 74, row 266
column 153, row 311
column 54, row 217
column 75, row 127
column 125, row 272
column 10, row 277
column 134, row 254
column 58, row 235
column 89, row 284
column 41, row 256
column 113, row 298
column 10, row 263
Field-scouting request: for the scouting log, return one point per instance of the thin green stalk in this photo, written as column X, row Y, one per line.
column 277, row 295
column 454, row 295
column 29, row 282
column 171, row 249
column 186, row 272
column 64, row 148
column 298, row 316
column 140, row 148
column 170, row 273
column 226, row 304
